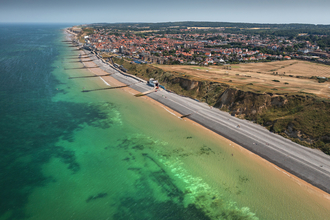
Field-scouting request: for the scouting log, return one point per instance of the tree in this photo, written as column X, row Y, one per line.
column 289, row 49
column 172, row 51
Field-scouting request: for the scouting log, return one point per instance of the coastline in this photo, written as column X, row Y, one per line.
column 297, row 177
column 95, row 150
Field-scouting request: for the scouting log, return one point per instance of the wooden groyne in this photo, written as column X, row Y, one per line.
column 80, row 68
column 76, row 58
column 184, row 116
column 80, row 61
column 145, row 93
column 115, row 87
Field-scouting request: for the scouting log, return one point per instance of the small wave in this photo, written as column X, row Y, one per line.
column 105, row 81
column 205, row 197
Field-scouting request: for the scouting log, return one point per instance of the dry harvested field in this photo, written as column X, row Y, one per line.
column 203, row 28
column 259, row 77
column 145, row 31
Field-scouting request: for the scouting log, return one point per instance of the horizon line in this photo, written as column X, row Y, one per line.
column 145, row 22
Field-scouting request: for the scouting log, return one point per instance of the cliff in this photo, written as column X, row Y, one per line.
column 303, row 118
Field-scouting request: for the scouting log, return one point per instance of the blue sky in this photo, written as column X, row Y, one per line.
column 87, row 11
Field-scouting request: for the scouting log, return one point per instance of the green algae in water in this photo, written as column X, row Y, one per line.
column 194, row 195
column 103, row 156
column 32, row 123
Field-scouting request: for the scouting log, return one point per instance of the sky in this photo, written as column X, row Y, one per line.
column 114, row 11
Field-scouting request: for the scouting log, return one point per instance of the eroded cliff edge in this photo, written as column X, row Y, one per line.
column 304, row 118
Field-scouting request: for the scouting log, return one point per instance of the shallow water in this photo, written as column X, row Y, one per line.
column 106, row 154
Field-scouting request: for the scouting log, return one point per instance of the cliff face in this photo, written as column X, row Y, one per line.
column 186, row 84
column 302, row 118
column 242, row 103
column 204, row 91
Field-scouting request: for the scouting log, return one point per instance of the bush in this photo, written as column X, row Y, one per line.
column 275, row 80
column 322, row 80
column 326, row 148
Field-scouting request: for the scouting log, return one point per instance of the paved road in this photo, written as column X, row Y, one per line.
column 310, row 165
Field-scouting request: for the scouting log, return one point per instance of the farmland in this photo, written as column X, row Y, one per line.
column 291, row 76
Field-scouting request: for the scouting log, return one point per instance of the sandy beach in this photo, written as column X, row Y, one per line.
column 315, row 191
column 114, row 82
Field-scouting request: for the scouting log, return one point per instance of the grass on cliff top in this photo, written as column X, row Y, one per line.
column 198, row 68
column 308, row 115
column 300, row 76
column 313, row 119
column 105, row 55
column 259, row 89
column 303, row 112
column 206, row 91
column 240, row 83
column 146, row 72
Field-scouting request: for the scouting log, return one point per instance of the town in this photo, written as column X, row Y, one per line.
column 208, row 47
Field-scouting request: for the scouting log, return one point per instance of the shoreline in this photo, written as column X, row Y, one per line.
column 178, row 115
column 297, row 177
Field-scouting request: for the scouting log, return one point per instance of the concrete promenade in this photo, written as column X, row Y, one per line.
column 311, row 165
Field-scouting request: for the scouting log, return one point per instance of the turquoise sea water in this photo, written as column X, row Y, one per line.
column 108, row 155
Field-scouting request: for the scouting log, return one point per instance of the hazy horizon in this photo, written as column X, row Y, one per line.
column 146, row 11
column 135, row 22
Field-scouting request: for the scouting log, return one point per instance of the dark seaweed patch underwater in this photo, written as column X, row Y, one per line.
column 144, row 162
column 31, row 123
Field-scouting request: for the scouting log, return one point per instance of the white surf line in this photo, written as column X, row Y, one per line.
column 275, row 148
column 99, row 77
column 104, row 81
column 282, row 171
column 170, row 112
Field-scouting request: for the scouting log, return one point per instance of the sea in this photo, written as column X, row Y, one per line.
column 105, row 154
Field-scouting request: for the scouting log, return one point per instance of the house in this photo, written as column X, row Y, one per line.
column 219, row 60
column 304, row 50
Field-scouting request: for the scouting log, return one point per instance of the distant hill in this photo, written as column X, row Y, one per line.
column 214, row 24
column 229, row 27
